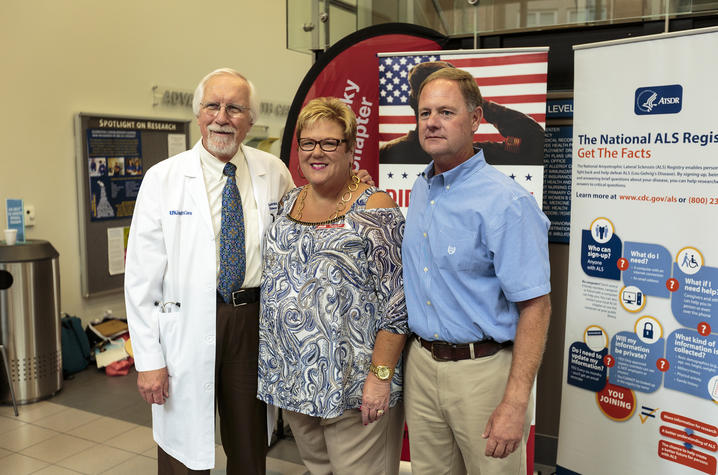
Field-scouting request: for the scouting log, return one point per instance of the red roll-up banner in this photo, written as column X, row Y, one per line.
column 349, row 70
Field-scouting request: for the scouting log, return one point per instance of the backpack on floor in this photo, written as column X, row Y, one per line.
column 75, row 346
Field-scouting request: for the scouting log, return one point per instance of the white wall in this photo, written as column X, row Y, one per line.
column 62, row 57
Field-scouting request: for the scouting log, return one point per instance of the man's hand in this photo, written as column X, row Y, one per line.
column 504, row 430
column 365, row 177
column 375, row 399
column 154, row 386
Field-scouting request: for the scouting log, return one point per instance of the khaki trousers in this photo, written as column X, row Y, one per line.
column 343, row 445
column 447, row 406
column 242, row 417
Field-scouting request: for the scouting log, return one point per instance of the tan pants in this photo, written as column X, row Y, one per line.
column 343, row 445
column 447, row 406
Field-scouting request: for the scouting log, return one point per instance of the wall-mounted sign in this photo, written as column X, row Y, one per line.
column 15, row 212
column 113, row 154
column 557, row 166
column 182, row 98
column 271, row 108
column 167, row 96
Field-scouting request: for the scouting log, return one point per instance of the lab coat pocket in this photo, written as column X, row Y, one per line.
column 455, row 250
column 170, row 339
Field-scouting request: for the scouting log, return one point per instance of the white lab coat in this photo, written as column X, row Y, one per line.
column 171, row 260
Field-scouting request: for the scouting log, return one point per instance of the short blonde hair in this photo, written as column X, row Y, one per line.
column 329, row 108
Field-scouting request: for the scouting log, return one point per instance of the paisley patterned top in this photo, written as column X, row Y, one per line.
column 326, row 292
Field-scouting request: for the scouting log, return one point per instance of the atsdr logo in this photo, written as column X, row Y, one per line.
column 659, row 100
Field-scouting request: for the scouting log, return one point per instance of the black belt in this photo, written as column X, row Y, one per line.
column 444, row 351
column 241, row 297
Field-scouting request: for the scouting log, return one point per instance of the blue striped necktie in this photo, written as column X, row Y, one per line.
column 232, row 258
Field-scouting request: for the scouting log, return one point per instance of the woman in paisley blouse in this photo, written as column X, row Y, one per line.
column 333, row 320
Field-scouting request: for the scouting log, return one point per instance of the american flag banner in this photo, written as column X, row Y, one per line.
column 513, row 85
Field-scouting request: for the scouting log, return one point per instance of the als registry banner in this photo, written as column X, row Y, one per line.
column 640, row 387
column 513, row 85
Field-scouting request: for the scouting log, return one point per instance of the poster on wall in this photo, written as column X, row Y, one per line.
column 640, row 376
column 15, row 213
column 112, row 155
column 558, row 147
column 513, row 88
column 114, row 164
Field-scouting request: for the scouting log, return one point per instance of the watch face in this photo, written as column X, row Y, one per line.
column 383, row 372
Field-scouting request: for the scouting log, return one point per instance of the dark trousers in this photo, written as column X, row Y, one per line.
column 168, row 465
column 242, row 417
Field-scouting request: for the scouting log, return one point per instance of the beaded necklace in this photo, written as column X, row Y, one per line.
column 341, row 204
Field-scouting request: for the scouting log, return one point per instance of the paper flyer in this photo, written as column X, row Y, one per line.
column 15, row 212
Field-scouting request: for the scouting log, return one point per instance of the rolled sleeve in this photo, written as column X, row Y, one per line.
column 520, row 249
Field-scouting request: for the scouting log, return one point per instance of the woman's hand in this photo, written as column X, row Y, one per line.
column 365, row 177
column 375, row 399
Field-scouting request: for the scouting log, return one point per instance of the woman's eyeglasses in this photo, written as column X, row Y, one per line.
column 327, row 145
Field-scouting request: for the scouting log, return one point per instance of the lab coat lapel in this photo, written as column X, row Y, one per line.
column 258, row 175
column 194, row 186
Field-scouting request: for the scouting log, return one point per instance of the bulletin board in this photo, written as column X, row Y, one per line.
column 113, row 154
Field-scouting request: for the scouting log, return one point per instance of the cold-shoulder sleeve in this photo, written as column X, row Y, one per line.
column 383, row 232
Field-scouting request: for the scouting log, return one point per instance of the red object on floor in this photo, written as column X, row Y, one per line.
column 120, row 368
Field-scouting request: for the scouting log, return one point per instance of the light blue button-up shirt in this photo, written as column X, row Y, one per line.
column 475, row 243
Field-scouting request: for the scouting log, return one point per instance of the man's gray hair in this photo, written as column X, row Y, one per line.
column 253, row 99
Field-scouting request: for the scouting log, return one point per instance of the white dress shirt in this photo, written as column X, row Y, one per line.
column 214, row 181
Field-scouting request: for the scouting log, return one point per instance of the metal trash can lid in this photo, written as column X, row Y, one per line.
column 30, row 250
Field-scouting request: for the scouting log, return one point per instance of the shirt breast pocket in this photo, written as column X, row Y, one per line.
column 457, row 250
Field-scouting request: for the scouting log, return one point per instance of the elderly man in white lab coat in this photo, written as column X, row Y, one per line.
column 193, row 345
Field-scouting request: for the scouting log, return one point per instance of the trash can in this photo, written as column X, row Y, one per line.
column 30, row 320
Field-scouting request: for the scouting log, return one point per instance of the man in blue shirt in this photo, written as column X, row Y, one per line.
column 476, row 277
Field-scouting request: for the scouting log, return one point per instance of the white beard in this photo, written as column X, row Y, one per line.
column 218, row 144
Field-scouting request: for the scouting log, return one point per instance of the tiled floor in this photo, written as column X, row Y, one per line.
column 98, row 424
column 48, row 437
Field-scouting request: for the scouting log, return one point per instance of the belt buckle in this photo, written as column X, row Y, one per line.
column 235, row 296
column 437, row 358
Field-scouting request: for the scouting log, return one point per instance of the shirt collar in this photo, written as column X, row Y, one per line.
column 214, row 166
column 460, row 172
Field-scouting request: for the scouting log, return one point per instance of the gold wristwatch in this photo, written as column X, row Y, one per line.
column 383, row 373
